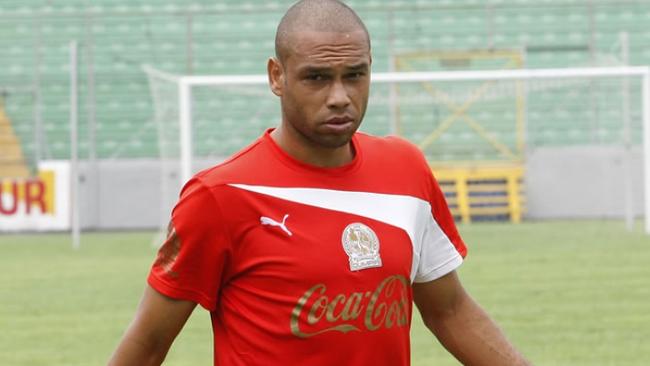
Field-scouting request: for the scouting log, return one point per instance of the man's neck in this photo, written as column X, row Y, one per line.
column 305, row 151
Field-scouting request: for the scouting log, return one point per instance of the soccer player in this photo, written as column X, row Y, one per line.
column 310, row 246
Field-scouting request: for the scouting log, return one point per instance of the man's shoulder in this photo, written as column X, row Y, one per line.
column 395, row 165
column 237, row 165
column 388, row 146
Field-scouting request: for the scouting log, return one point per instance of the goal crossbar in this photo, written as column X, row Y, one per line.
column 390, row 77
column 185, row 84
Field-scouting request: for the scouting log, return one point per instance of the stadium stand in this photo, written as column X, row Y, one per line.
column 235, row 37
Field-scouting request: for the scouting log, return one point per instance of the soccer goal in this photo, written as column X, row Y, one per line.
column 592, row 120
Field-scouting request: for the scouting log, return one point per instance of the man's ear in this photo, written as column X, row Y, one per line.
column 276, row 76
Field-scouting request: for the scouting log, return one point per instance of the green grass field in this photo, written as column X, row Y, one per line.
column 566, row 293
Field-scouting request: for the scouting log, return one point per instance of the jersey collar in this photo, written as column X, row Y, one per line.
column 299, row 165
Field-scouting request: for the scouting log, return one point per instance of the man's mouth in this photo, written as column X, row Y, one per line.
column 339, row 120
column 339, row 124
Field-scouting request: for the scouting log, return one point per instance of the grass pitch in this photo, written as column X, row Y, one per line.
column 566, row 293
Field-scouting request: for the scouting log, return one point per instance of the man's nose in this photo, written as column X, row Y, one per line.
column 338, row 97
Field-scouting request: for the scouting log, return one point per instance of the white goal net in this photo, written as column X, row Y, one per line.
column 464, row 118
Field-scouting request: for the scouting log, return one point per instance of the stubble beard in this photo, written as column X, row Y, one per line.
column 311, row 137
column 325, row 140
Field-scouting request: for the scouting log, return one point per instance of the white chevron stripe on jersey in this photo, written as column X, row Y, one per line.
column 411, row 214
column 397, row 210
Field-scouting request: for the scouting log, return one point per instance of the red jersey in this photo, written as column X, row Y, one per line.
column 301, row 265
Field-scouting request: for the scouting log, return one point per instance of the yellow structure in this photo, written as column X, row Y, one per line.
column 496, row 59
column 12, row 160
column 490, row 189
column 483, row 192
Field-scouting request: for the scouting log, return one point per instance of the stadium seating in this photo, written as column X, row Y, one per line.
column 235, row 37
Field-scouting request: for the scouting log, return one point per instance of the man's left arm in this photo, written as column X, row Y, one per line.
column 461, row 325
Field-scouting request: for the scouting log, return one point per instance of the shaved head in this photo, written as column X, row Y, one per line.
column 316, row 15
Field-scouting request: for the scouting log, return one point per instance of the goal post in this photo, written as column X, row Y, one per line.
column 510, row 97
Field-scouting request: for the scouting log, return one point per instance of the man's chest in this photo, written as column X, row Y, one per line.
column 284, row 239
column 327, row 270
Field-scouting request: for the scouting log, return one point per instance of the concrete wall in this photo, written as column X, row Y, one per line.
column 576, row 182
column 128, row 194
column 120, row 194
column 582, row 182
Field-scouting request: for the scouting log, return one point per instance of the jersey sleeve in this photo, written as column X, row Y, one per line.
column 442, row 249
column 191, row 264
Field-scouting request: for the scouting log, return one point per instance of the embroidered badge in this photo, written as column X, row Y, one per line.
column 362, row 246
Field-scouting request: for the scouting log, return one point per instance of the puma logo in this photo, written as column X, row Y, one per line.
column 268, row 221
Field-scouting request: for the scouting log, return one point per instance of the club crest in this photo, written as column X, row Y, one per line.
column 362, row 246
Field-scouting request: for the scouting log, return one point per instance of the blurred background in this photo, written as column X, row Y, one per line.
column 544, row 130
column 537, row 158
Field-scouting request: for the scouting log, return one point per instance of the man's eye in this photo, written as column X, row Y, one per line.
column 316, row 77
column 356, row 75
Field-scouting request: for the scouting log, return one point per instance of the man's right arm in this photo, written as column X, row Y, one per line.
column 157, row 322
column 462, row 326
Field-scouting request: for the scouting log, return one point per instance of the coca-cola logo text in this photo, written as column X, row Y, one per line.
column 385, row 307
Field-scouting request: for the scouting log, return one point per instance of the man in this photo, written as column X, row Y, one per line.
column 309, row 246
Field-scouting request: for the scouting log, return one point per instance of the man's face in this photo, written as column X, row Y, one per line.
column 323, row 84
